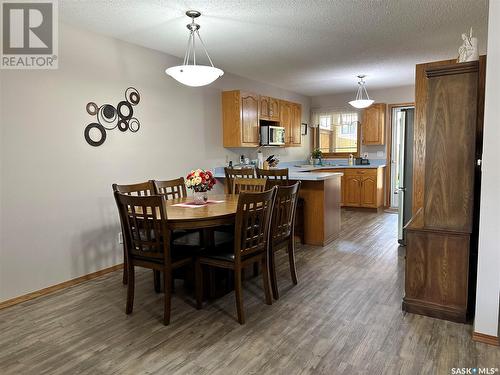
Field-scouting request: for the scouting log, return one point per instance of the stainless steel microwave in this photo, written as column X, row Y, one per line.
column 272, row 135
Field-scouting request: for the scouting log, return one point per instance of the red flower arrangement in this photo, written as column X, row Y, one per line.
column 200, row 180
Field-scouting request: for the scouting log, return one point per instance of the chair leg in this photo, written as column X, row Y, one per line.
column 198, row 282
column 157, row 281
column 291, row 259
column 272, row 272
column 265, row 280
column 125, row 267
column 167, row 286
column 239, row 295
column 130, row 289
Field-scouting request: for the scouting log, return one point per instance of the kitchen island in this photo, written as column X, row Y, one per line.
column 321, row 195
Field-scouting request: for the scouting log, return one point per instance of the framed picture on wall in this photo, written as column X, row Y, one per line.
column 303, row 128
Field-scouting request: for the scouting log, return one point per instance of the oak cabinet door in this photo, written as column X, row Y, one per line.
column 296, row 136
column 373, row 125
column 286, row 120
column 352, row 191
column 264, row 108
column 369, row 192
column 274, row 109
column 250, row 118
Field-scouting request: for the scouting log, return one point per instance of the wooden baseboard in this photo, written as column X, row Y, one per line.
column 486, row 339
column 57, row 287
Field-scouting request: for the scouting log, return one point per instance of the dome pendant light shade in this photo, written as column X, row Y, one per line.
column 192, row 74
column 359, row 102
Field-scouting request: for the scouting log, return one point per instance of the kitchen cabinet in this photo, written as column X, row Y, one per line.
column 269, row 109
column 290, row 119
column 240, row 119
column 363, row 187
column 373, row 125
column 242, row 112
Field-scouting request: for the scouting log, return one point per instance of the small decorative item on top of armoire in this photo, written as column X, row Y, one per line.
column 109, row 117
column 468, row 51
column 201, row 182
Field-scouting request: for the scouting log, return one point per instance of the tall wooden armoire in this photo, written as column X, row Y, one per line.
column 441, row 249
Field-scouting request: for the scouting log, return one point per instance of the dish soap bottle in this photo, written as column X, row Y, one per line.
column 351, row 159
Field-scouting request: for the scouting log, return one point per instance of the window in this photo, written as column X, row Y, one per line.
column 338, row 134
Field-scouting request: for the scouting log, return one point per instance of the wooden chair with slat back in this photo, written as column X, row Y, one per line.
column 251, row 244
column 171, row 189
column 249, row 185
column 274, row 176
column 147, row 236
column 231, row 173
column 141, row 189
column 282, row 231
column 174, row 189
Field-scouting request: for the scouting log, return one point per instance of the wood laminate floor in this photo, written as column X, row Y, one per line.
column 344, row 317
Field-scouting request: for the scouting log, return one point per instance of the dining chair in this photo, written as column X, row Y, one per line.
column 140, row 189
column 249, row 185
column 280, row 177
column 282, row 231
column 274, row 176
column 171, row 189
column 148, row 244
column 251, row 244
column 231, row 173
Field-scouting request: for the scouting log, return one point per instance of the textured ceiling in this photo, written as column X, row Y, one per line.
column 313, row 47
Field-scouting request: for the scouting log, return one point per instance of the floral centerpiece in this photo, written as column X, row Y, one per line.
column 200, row 181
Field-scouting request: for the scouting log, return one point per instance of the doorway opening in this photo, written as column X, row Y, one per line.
column 396, row 152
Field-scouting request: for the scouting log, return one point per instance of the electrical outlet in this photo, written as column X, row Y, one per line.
column 120, row 238
column 380, row 154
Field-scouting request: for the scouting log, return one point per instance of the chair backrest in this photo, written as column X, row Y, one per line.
column 171, row 189
column 274, row 176
column 285, row 206
column 146, row 233
column 231, row 173
column 142, row 189
column 253, row 222
column 249, row 185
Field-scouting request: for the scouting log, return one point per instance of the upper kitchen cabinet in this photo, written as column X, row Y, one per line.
column 269, row 109
column 373, row 124
column 240, row 119
column 290, row 119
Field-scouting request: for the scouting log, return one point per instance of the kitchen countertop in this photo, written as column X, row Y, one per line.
column 302, row 172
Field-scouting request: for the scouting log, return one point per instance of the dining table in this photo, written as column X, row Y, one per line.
column 219, row 210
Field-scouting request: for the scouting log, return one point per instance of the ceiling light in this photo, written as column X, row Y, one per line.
column 192, row 74
column 359, row 102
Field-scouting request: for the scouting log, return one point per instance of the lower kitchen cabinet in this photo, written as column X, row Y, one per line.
column 363, row 187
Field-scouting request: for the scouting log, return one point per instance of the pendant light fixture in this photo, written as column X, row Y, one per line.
column 192, row 74
column 359, row 102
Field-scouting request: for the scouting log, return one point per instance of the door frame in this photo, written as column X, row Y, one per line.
column 388, row 166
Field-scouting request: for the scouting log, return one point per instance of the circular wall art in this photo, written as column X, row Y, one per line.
column 110, row 117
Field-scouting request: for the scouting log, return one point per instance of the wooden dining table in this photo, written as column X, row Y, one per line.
column 207, row 216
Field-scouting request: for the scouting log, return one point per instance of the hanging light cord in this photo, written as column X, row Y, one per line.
column 194, row 28
column 361, row 89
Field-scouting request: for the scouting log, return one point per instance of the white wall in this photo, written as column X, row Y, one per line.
column 58, row 215
column 488, row 279
column 403, row 94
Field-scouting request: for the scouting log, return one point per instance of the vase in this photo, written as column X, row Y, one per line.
column 200, row 197
column 316, row 161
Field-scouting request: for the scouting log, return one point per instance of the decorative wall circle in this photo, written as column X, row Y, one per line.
column 110, row 117
column 134, row 125
column 88, row 137
column 123, row 125
column 127, row 115
column 132, row 96
column 92, row 108
column 107, row 116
